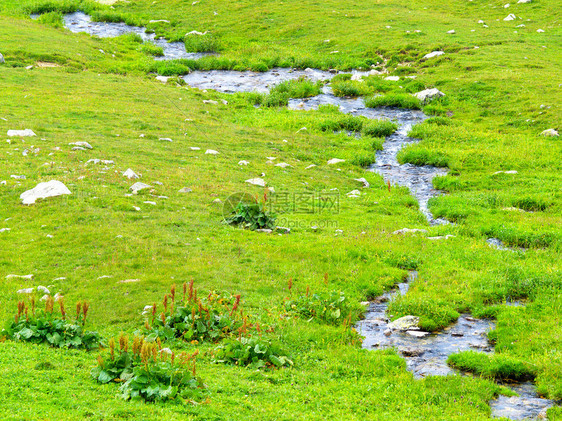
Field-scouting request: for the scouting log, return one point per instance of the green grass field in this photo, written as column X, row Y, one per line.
column 499, row 98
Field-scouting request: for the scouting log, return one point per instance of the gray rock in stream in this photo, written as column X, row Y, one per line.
column 404, row 323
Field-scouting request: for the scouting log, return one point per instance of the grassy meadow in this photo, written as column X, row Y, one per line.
column 499, row 98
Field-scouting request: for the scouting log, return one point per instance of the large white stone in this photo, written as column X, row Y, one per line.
column 434, row 54
column 137, row 187
column 84, row 145
column 130, row 174
column 549, row 133
column 392, row 78
column 43, row 190
column 334, row 161
column 404, row 323
column 21, row 133
column 256, row 182
column 211, row 152
column 509, row 17
column 409, row 230
column 429, row 94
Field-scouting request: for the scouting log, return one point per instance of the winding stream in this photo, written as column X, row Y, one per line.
column 425, row 353
column 81, row 22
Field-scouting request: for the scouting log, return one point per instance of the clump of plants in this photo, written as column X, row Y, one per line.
column 342, row 122
column 379, row 128
column 37, row 325
column 253, row 352
column 394, row 100
column 498, row 367
column 332, row 308
column 149, row 372
column 297, row 88
column 193, row 319
column 252, row 215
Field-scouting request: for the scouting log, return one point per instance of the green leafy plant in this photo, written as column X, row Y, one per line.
column 193, row 319
column 150, row 372
column 332, row 309
column 253, row 352
column 252, row 216
column 39, row 326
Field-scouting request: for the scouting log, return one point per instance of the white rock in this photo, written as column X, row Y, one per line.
column 165, row 139
column 510, row 17
column 196, row 33
column 150, row 203
column 210, row 101
column 21, row 133
column 28, row 277
column 43, row 289
column 195, row 148
column 428, row 94
column 256, row 182
column 243, row 162
column 409, row 230
column 404, row 323
column 185, row 190
column 549, row 133
column 218, row 201
column 441, row 237
column 523, row 1
column 505, row 172
column 26, row 291
column 283, row 165
column 128, row 281
column 84, row 145
column 4, row 230
column 62, row 278
column 43, row 190
column 354, row 193
column 163, row 79
column 363, row 181
column 310, row 166
column 2, row 61
column 434, row 54
column 130, row 174
column 334, row 161
column 159, row 20
column 392, row 78
column 452, row 31
column 417, row 333
column 137, row 187
column 480, row 21
column 211, row 152
column 505, row 6
column 18, row 177
column 136, row 208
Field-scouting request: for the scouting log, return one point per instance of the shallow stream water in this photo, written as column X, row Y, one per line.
column 81, row 22
column 425, row 353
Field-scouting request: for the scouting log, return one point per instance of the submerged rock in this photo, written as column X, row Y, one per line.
column 404, row 323
column 43, row 190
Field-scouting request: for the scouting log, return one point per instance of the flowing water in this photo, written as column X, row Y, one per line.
column 81, row 22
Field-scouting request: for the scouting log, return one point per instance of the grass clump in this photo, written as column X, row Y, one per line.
column 394, row 100
column 149, row 372
column 151, row 49
column 378, row 128
column 45, row 326
column 497, row 367
column 53, row 19
column 434, row 314
column 333, row 308
column 351, row 88
column 193, row 319
column 297, row 88
column 417, row 155
column 251, row 216
column 343, row 122
column 202, row 44
column 251, row 352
